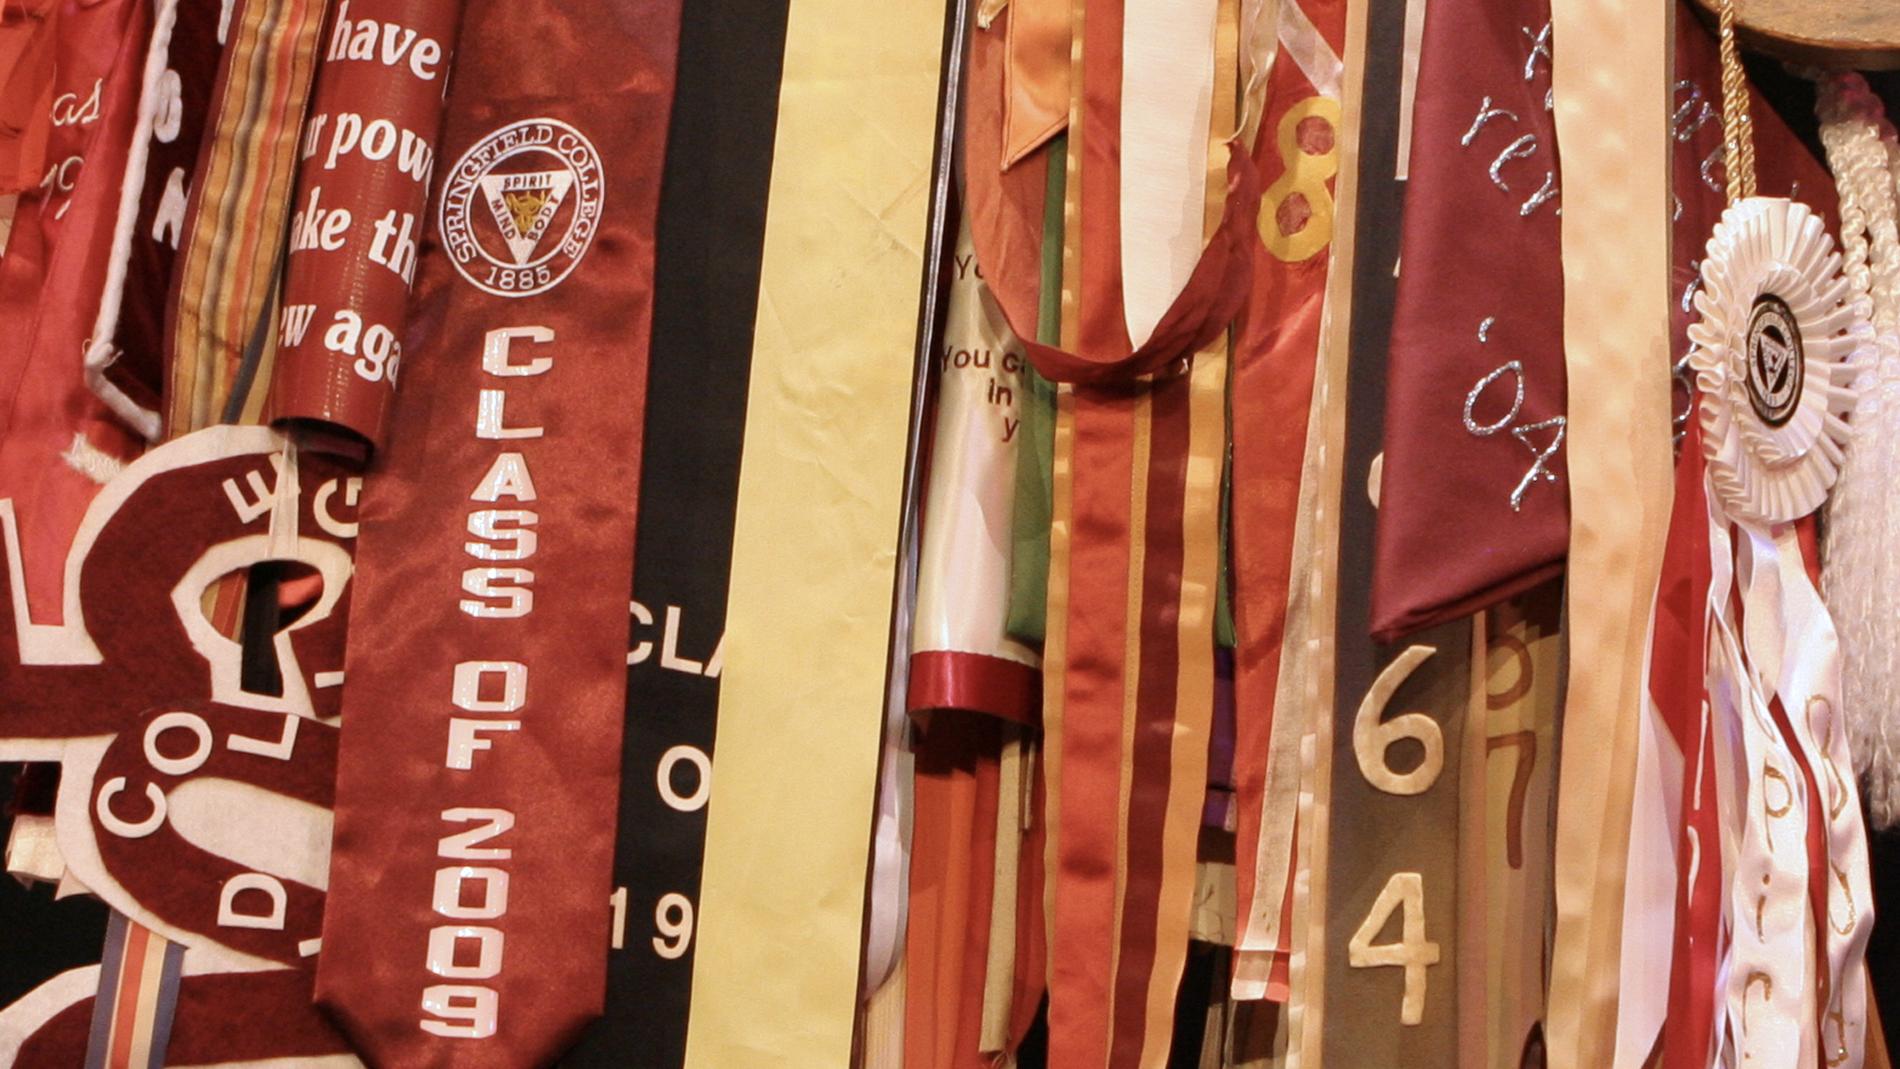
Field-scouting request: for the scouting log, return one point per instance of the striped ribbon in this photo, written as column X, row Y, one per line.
column 138, row 992
column 221, row 344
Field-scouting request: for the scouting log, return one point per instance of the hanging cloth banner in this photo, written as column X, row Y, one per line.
column 706, row 282
column 1473, row 506
column 57, row 441
column 1610, row 76
column 1392, row 841
column 368, row 153
column 814, row 544
column 476, row 786
column 220, row 327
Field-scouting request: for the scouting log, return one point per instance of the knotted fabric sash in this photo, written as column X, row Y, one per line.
column 477, row 785
column 368, row 152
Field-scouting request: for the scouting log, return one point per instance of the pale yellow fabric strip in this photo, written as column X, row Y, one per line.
column 999, row 963
column 883, row 1046
column 1326, row 455
column 1611, row 79
column 814, row 543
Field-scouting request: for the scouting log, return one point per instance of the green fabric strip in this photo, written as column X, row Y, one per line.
column 1029, row 525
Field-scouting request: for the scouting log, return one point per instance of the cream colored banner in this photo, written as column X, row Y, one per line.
column 1611, row 80
column 814, row 546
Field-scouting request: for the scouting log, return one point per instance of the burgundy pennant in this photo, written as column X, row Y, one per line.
column 1473, row 503
column 478, row 777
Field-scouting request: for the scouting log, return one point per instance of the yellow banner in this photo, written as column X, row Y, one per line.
column 814, row 547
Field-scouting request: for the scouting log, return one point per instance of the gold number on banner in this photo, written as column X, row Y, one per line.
column 673, row 916
column 618, row 900
column 1371, row 736
column 1413, row 952
column 1296, row 214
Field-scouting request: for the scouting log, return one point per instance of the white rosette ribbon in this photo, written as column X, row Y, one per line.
column 1773, row 402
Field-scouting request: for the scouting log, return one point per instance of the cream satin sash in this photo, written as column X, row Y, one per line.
column 814, row 546
column 1167, row 100
column 1611, row 83
column 1325, row 469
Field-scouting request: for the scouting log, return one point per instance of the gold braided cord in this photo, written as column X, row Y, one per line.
column 1738, row 133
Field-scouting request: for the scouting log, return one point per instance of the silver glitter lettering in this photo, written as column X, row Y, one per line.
column 1523, row 148
column 1707, row 170
column 1688, row 294
column 1484, row 335
column 1538, row 469
column 1544, row 195
column 1684, row 380
column 1486, row 430
column 1485, row 114
column 1540, row 46
column 1693, row 113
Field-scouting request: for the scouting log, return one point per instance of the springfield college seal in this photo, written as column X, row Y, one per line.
column 520, row 208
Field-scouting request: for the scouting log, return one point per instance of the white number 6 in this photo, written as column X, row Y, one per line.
column 1371, row 736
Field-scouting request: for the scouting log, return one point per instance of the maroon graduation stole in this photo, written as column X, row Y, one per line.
column 368, row 152
column 479, row 777
column 1472, row 503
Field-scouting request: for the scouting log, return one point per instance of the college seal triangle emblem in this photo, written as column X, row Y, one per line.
column 524, row 204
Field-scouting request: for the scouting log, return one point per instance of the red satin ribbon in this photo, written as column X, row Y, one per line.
column 480, row 760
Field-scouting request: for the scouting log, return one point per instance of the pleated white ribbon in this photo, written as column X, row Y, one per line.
column 1774, row 451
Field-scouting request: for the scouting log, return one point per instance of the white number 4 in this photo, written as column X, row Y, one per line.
column 1413, row 951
